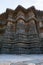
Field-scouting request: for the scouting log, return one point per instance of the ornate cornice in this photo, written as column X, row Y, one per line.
column 4, row 16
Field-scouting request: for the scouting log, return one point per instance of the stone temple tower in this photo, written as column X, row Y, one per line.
column 21, row 31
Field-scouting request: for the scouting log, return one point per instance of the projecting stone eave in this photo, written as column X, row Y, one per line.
column 3, row 16
column 20, row 8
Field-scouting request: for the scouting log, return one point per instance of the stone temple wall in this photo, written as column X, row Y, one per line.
column 21, row 31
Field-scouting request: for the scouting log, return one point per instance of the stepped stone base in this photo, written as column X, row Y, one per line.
column 20, row 48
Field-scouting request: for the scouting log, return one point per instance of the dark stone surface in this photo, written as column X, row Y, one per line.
column 21, row 31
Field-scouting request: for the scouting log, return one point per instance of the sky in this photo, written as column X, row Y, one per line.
column 12, row 4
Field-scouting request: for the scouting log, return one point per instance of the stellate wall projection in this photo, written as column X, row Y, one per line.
column 21, row 31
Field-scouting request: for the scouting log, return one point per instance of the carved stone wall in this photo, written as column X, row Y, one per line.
column 21, row 31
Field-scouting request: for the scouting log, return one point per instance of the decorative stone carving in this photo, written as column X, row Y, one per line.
column 20, row 15
column 20, row 26
column 21, row 34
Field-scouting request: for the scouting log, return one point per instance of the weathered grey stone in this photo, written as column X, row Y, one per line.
column 20, row 32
